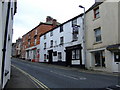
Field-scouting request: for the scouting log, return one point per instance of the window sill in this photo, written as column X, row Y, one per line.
column 61, row 44
column 74, row 40
column 96, row 18
column 97, row 42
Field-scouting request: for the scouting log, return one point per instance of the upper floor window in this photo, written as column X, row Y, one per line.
column 74, row 22
column 51, row 33
column 36, row 32
column 96, row 13
column 35, row 41
column 61, row 40
column 61, row 28
column 51, row 43
column 45, row 36
column 97, row 35
column 75, row 33
column 44, row 45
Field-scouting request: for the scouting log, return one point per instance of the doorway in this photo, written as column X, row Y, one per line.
column 50, row 56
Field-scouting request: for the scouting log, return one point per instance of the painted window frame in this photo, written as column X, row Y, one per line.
column 98, row 35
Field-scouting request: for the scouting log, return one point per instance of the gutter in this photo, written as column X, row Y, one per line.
column 5, row 41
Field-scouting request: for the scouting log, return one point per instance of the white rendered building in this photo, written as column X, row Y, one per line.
column 7, row 11
column 64, row 44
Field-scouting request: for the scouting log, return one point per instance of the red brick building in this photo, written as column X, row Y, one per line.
column 31, row 40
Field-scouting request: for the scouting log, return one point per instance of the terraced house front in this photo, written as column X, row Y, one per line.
column 103, row 36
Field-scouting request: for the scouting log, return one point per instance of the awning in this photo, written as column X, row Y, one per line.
column 115, row 47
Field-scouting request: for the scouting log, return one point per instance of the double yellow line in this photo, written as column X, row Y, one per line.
column 36, row 82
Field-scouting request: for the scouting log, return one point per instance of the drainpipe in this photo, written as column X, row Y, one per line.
column 84, row 37
column 5, row 41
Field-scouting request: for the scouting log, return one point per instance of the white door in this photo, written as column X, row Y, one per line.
column 116, row 64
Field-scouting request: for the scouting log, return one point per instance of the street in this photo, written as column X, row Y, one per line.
column 63, row 77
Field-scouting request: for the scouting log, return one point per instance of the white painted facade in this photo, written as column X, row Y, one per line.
column 32, row 53
column 108, row 22
column 7, row 11
column 67, row 35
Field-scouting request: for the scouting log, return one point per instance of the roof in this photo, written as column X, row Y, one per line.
column 41, row 23
column 63, row 24
column 93, row 6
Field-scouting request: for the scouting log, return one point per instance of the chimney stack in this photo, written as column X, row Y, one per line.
column 54, row 22
column 49, row 19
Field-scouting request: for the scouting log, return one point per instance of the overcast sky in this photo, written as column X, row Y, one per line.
column 31, row 12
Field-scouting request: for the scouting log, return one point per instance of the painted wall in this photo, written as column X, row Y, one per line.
column 67, row 34
column 3, row 18
column 109, row 24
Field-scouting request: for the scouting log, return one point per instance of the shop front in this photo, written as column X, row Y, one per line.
column 74, row 55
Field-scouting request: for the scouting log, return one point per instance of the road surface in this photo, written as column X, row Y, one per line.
column 63, row 77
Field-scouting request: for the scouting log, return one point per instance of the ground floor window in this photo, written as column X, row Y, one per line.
column 59, row 56
column 117, row 56
column 76, row 54
column 34, row 53
column 45, row 57
column 27, row 54
column 99, row 58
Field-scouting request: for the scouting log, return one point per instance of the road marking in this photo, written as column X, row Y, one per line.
column 109, row 89
column 81, row 78
column 118, row 86
column 33, row 78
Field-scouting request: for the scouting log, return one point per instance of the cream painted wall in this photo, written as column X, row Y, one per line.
column 119, row 22
column 108, row 22
column 0, row 40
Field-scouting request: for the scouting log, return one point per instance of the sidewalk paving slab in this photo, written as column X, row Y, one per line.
column 19, row 80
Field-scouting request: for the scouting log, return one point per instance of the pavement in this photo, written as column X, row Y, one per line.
column 19, row 80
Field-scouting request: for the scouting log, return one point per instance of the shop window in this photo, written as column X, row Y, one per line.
column 76, row 54
column 99, row 58
column 117, row 56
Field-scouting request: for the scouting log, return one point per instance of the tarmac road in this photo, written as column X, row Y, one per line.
column 53, row 76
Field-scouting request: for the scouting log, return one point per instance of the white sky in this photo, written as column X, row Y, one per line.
column 31, row 12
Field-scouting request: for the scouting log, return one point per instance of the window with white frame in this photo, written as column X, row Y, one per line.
column 45, row 36
column 35, row 40
column 99, row 58
column 61, row 40
column 74, row 22
column 45, row 57
column 51, row 33
column 61, row 28
column 98, row 35
column 44, row 45
column 36, row 32
column 75, row 33
column 59, row 56
column 76, row 54
column 51, row 43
